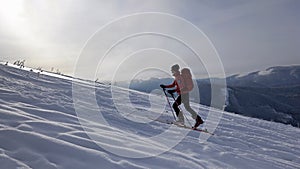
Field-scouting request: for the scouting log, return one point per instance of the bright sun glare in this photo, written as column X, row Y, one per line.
column 13, row 18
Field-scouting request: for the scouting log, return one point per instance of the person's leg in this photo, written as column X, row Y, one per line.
column 176, row 104
column 186, row 103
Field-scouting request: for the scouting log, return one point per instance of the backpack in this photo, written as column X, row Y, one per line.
column 187, row 79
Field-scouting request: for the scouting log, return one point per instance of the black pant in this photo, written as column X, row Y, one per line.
column 184, row 98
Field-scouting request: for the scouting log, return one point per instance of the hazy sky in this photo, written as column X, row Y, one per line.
column 248, row 35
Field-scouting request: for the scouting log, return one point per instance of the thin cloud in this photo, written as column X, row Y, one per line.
column 249, row 35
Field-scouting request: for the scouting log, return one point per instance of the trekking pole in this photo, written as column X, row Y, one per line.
column 181, row 110
column 169, row 103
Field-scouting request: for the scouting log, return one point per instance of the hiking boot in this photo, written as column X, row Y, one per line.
column 198, row 122
column 179, row 123
column 180, row 118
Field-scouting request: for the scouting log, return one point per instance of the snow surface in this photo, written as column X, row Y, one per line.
column 265, row 72
column 39, row 128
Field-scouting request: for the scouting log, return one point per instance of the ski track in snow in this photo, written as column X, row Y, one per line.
column 39, row 128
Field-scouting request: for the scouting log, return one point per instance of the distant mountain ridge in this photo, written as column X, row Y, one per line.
column 279, row 76
column 272, row 94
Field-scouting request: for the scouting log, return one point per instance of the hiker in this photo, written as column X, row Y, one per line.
column 17, row 63
column 21, row 64
column 182, row 88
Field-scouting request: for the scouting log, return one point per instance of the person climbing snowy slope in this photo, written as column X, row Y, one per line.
column 183, row 85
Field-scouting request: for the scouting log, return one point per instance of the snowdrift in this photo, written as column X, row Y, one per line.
column 41, row 128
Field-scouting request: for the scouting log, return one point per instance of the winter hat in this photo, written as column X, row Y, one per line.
column 175, row 67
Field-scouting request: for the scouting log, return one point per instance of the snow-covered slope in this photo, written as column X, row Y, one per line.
column 39, row 128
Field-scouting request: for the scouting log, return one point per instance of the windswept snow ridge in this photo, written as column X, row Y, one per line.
column 39, row 128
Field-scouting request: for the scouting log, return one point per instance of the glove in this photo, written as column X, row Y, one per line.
column 162, row 86
column 171, row 92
